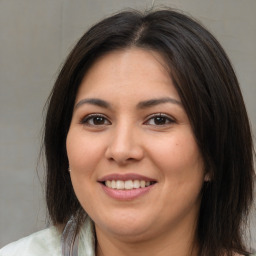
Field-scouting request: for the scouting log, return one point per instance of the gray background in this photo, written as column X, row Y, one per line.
column 35, row 38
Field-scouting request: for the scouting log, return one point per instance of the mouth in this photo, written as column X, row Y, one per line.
column 126, row 186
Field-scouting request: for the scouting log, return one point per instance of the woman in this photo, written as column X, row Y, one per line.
column 148, row 144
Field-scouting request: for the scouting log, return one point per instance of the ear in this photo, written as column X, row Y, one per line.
column 207, row 177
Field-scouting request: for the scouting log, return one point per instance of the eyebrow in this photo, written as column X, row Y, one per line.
column 140, row 105
column 93, row 101
column 154, row 102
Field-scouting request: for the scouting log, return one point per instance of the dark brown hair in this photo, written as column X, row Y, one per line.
column 210, row 94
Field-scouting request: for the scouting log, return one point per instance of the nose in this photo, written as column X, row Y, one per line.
column 124, row 146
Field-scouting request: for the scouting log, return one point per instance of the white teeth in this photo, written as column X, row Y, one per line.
column 119, row 184
column 136, row 184
column 128, row 184
column 108, row 183
column 113, row 184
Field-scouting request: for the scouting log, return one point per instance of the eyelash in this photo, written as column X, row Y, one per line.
column 160, row 115
column 85, row 121
column 91, row 117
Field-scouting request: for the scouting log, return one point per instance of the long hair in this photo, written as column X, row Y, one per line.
column 210, row 94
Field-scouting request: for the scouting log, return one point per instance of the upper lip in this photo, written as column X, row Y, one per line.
column 127, row 176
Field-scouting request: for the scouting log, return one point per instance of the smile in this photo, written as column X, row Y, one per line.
column 128, row 184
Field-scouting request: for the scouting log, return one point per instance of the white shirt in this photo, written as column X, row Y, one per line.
column 48, row 243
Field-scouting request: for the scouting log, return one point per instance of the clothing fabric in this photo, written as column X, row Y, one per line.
column 49, row 242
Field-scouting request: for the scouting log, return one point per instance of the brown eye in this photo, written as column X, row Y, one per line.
column 95, row 120
column 98, row 120
column 159, row 119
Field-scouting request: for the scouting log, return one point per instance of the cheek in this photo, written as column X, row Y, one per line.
column 83, row 156
column 84, row 152
column 178, row 156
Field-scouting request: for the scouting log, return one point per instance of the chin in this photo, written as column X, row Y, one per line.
column 127, row 226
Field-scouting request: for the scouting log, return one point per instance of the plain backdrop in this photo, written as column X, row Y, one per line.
column 35, row 37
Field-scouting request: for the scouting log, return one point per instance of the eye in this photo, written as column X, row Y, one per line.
column 95, row 120
column 159, row 120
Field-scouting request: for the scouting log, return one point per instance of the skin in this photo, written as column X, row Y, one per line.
column 128, row 139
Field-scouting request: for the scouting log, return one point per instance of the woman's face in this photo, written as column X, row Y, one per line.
column 135, row 166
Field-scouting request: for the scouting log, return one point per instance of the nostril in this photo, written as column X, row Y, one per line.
column 123, row 149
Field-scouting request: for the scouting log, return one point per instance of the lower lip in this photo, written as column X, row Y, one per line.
column 129, row 194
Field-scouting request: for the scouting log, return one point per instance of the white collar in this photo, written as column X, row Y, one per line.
column 82, row 244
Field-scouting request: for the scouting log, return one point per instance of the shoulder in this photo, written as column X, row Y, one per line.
column 44, row 242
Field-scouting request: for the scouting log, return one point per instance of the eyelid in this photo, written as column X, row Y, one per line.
column 84, row 120
column 168, row 117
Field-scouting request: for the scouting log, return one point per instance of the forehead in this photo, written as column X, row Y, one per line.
column 128, row 71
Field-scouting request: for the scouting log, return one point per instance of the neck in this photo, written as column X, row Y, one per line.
column 176, row 243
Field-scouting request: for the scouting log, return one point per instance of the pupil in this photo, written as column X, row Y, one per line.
column 98, row 120
column 160, row 120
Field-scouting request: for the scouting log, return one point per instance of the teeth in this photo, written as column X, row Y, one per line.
column 119, row 184
column 128, row 184
column 109, row 183
column 113, row 184
column 136, row 184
